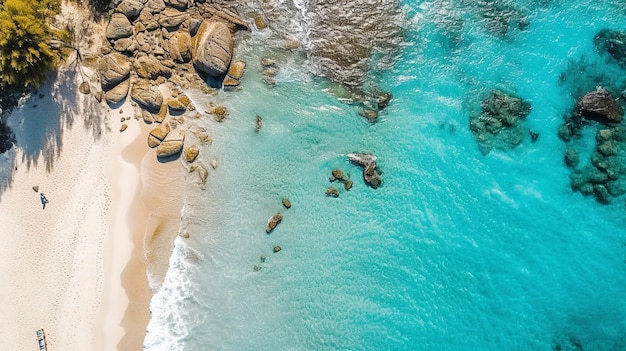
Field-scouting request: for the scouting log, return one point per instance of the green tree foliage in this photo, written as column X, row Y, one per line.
column 26, row 55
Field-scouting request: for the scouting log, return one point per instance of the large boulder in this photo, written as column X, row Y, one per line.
column 155, row 6
column 273, row 222
column 213, row 48
column 180, row 46
column 179, row 4
column 118, row 93
column 599, row 105
column 119, row 27
column 148, row 20
column 130, row 8
column 370, row 173
column 147, row 95
column 149, row 68
column 113, row 68
column 172, row 144
column 172, row 18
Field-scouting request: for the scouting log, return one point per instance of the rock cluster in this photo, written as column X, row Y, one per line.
column 612, row 42
column 371, row 107
column 500, row 124
column 337, row 175
column 370, row 172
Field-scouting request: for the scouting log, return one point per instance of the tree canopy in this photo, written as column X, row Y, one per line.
column 26, row 55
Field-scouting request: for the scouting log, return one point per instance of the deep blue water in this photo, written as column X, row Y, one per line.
column 456, row 251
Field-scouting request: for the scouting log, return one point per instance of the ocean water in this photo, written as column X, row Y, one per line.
column 455, row 251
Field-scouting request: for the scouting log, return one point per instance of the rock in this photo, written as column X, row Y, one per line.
column 273, row 222
column 175, row 106
column 113, row 68
column 130, row 8
column 571, row 157
column 534, row 136
column 185, row 234
column 160, row 116
column 213, row 48
column 124, row 44
column 383, row 99
column 370, row 173
column 268, row 63
column 613, row 42
column 193, row 25
column 180, row 46
column 604, row 135
column 218, row 111
column 263, row 258
column 236, row 69
column 259, row 22
column 203, row 172
column 602, row 194
column 333, row 192
column 147, row 117
column 157, row 135
column 147, row 95
column 148, row 67
column 123, row 127
column 155, row 6
column 191, row 153
column 259, row 123
column 119, row 27
column 171, row 145
column 286, row 203
column 170, row 18
column 607, row 148
column 214, row 164
column 371, row 115
column 337, row 174
column 179, row 4
column 599, row 105
column 147, row 19
column 291, row 44
column 84, row 88
column 118, row 93
column 36, row 188
column 348, row 184
column 276, row 249
column 184, row 100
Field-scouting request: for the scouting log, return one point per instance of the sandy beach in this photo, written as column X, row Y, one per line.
column 75, row 268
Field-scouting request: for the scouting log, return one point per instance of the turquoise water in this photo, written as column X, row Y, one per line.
column 456, row 251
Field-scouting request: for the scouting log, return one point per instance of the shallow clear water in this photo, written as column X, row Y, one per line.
column 456, row 251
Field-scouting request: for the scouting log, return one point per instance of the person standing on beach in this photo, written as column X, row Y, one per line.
column 44, row 200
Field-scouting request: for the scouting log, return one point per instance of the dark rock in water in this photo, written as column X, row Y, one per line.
column 332, row 192
column 599, row 105
column 348, row 184
column 259, row 123
column 371, row 115
column 571, row 157
column 273, row 222
column 337, row 174
column 276, row 248
column 602, row 194
column 370, row 173
column 383, row 99
column 286, row 203
column 534, row 136
column 263, row 258
column 613, row 42
column 256, row 268
column 500, row 123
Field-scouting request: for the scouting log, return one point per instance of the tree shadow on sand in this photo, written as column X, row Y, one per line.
column 40, row 120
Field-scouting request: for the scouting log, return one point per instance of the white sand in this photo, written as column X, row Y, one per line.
column 62, row 267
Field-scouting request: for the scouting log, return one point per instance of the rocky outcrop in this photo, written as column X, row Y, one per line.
column 370, row 172
column 171, row 145
column 599, row 105
column 113, row 68
column 130, row 8
column 118, row 93
column 119, row 27
column 612, row 42
column 273, row 222
column 147, row 95
column 213, row 48
column 500, row 123
column 234, row 74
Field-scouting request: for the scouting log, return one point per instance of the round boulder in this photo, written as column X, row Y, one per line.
column 119, row 27
column 113, row 68
column 147, row 95
column 213, row 48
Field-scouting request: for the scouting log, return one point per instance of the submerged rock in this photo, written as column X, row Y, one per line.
column 599, row 105
column 500, row 123
column 286, row 203
column 332, row 192
column 273, row 222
